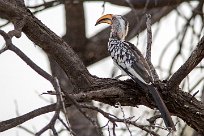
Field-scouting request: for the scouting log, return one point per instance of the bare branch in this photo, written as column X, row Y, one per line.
column 6, row 23
column 125, row 92
column 125, row 119
column 10, row 46
column 51, row 124
column 148, row 51
column 113, row 119
column 5, row 125
column 78, row 106
column 149, row 38
column 194, row 59
column 104, row 90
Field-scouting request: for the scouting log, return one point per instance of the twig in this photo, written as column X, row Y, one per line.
column 64, row 124
column 3, row 49
column 78, row 106
column 148, row 51
column 149, row 38
column 113, row 119
column 26, row 130
column 45, row 5
column 103, row 6
column 194, row 94
column 20, row 126
column 51, row 124
column 5, row 125
column 114, row 125
column 178, row 76
column 5, row 24
column 54, row 81
column 64, row 109
column 153, row 119
column 28, row 61
column 124, row 118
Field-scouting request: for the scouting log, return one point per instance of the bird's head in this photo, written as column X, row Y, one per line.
column 118, row 23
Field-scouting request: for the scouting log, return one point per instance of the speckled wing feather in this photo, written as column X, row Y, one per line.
column 130, row 60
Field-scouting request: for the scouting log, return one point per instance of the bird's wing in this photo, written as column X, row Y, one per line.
column 143, row 60
column 139, row 66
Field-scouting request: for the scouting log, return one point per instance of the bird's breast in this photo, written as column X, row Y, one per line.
column 120, row 54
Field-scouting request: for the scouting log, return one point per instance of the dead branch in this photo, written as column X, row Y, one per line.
column 51, row 124
column 53, row 81
column 194, row 59
column 104, row 90
column 78, row 106
column 113, row 93
column 148, row 50
column 28, row 61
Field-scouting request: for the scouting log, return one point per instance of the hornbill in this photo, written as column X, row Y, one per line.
column 131, row 61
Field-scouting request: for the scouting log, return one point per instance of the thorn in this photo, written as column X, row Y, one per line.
column 119, row 76
column 50, row 93
column 194, row 95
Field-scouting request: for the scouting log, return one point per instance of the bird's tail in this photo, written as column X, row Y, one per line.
column 162, row 107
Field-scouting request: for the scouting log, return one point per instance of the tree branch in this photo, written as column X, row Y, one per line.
column 36, row 68
column 104, row 90
column 5, row 125
column 128, row 94
column 196, row 56
column 148, row 50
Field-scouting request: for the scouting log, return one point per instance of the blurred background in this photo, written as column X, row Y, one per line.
column 176, row 30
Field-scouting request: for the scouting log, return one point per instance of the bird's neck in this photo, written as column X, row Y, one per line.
column 118, row 34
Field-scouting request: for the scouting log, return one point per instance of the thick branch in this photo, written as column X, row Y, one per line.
column 128, row 94
column 103, row 90
column 50, row 43
column 76, row 37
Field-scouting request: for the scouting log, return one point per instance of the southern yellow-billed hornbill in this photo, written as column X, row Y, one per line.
column 131, row 61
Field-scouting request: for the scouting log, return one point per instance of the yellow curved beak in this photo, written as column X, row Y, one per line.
column 105, row 19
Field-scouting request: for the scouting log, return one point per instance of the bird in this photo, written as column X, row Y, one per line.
column 131, row 61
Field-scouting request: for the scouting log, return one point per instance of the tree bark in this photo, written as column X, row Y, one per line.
column 75, row 36
column 108, row 91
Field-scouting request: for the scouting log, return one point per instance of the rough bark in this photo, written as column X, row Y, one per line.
column 107, row 91
column 75, row 30
column 128, row 93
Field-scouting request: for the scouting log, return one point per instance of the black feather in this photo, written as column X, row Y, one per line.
column 162, row 107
